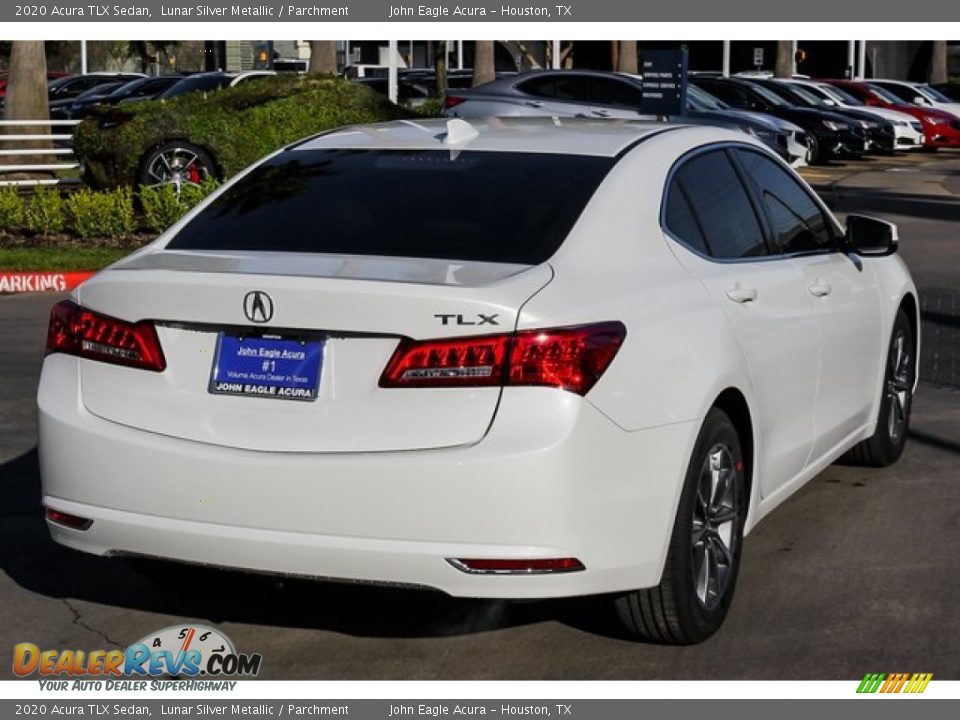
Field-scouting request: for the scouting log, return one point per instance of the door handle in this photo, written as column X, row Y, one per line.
column 601, row 113
column 742, row 295
column 820, row 288
column 533, row 103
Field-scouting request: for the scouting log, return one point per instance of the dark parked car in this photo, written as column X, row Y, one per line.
column 60, row 109
column 73, row 85
column 879, row 132
column 830, row 134
column 208, row 81
column 137, row 90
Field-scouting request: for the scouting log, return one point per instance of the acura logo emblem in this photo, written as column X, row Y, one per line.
column 258, row 307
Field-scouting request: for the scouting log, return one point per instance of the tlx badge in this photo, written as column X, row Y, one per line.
column 455, row 319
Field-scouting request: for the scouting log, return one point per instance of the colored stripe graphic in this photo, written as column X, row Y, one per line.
column 893, row 683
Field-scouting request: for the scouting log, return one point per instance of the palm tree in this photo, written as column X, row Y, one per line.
column 323, row 57
column 484, row 69
column 627, row 56
column 440, row 55
column 938, row 62
column 27, row 95
column 784, row 65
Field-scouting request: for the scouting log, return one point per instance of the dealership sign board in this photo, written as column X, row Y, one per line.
column 664, row 82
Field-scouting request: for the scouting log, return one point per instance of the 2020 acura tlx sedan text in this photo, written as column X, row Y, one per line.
column 509, row 358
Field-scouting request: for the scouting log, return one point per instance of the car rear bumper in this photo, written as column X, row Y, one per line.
column 553, row 477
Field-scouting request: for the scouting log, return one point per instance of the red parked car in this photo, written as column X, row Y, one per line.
column 940, row 129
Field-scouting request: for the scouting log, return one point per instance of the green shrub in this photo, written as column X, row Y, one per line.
column 45, row 211
column 235, row 126
column 102, row 214
column 12, row 209
column 162, row 206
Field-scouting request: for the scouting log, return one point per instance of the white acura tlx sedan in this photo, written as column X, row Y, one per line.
column 516, row 358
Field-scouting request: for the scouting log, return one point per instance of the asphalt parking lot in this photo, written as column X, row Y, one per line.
column 857, row 572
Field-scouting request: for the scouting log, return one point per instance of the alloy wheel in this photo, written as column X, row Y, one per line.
column 714, row 528
column 899, row 387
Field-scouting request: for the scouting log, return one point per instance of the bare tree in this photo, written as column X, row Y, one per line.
column 27, row 95
column 484, row 68
column 784, row 65
column 323, row 57
column 938, row 62
column 627, row 60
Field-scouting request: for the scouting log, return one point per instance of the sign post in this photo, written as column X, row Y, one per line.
column 664, row 82
column 758, row 58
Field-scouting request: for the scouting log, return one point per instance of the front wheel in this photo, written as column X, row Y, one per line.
column 886, row 445
column 700, row 573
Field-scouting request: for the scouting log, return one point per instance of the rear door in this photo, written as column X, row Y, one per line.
column 709, row 211
column 844, row 293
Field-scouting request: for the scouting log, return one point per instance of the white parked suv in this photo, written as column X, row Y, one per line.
column 512, row 358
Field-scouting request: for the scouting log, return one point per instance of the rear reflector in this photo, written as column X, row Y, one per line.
column 571, row 358
column 67, row 520
column 452, row 101
column 516, row 567
column 77, row 331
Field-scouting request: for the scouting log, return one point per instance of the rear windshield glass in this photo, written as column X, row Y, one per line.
column 487, row 206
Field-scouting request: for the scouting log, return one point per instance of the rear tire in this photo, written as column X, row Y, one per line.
column 813, row 150
column 700, row 573
column 893, row 422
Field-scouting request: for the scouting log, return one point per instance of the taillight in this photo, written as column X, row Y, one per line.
column 570, row 358
column 442, row 363
column 450, row 101
column 77, row 331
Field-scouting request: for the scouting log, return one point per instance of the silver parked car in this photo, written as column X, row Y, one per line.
column 597, row 94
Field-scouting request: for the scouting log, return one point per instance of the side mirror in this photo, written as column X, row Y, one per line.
column 829, row 102
column 870, row 236
column 920, row 100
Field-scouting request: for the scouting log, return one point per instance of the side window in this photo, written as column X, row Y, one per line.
column 539, row 87
column 798, row 223
column 721, row 205
column 901, row 91
column 563, row 87
column 614, row 92
column 680, row 219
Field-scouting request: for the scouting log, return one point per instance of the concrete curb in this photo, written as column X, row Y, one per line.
column 41, row 281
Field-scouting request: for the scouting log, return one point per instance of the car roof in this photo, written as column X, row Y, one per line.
column 568, row 136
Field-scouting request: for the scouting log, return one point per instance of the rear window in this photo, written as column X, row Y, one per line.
column 486, row 206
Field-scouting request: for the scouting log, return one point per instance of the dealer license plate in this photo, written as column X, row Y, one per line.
column 267, row 366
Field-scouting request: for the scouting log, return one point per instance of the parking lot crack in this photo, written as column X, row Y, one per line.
column 79, row 621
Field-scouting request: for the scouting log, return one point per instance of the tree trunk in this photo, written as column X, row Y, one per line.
column 627, row 57
column 784, row 64
column 938, row 62
column 484, row 68
column 323, row 57
column 440, row 56
column 27, row 99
